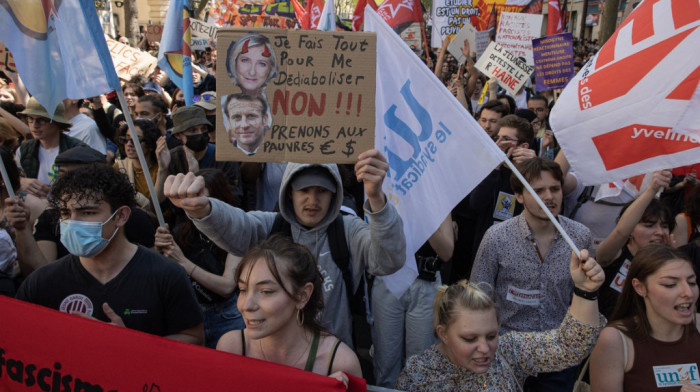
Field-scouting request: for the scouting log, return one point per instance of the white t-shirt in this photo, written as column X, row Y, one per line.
column 47, row 170
column 85, row 129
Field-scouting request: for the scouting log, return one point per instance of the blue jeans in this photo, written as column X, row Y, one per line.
column 402, row 327
column 220, row 318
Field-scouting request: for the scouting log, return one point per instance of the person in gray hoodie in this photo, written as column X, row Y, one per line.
column 310, row 200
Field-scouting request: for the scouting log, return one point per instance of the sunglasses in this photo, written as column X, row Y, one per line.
column 125, row 139
column 204, row 97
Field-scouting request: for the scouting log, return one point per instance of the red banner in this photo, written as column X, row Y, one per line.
column 42, row 349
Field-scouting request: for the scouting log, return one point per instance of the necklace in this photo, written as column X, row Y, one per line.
column 301, row 355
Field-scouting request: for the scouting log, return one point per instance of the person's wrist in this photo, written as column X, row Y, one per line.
column 586, row 293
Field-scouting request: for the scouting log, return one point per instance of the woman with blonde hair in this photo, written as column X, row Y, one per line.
column 473, row 357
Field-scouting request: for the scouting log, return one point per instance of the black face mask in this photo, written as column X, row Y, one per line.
column 197, row 142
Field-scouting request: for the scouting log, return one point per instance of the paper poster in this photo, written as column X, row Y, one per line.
column 129, row 61
column 554, row 61
column 295, row 95
column 511, row 72
column 468, row 32
column 516, row 31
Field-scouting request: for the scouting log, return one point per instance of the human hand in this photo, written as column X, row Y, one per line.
column 187, row 192
column 668, row 239
column 34, row 187
column 342, row 377
column 586, row 273
column 192, row 162
column 162, row 154
column 521, row 154
column 465, row 50
column 113, row 317
column 548, row 139
column 17, row 213
column 96, row 102
column 370, row 170
column 690, row 388
column 165, row 243
column 660, row 179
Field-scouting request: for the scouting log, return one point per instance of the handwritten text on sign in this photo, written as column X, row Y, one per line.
column 321, row 98
column 516, row 31
column 510, row 71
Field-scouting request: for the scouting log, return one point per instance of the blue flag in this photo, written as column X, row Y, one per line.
column 175, row 54
column 59, row 49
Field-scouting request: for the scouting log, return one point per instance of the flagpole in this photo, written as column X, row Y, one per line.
column 544, row 208
column 6, row 180
column 142, row 158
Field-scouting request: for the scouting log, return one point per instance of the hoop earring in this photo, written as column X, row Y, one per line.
column 300, row 317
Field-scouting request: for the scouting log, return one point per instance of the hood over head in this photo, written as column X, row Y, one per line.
column 286, row 206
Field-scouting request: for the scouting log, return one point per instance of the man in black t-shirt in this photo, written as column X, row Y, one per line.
column 106, row 277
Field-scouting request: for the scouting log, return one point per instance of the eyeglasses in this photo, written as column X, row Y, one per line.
column 506, row 139
column 204, row 97
column 125, row 139
column 39, row 121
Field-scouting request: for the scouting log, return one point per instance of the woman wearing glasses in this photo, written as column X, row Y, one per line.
column 150, row 138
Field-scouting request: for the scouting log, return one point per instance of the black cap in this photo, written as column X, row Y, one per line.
column 80, row 155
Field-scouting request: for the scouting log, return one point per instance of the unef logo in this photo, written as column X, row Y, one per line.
column 617, row 73
column 420, row 150
column 76, row 303
column 675, row 375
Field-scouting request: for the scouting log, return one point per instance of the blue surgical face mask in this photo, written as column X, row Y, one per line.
column 84, row 239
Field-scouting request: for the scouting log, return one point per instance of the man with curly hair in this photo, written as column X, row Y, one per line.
column 106, row 277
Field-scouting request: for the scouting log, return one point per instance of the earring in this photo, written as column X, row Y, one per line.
column 300, row 317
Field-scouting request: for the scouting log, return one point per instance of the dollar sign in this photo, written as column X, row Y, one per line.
column 349, row 150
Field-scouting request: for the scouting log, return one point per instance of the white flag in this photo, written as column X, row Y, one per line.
column 633, row 108
column 327, row 20
column 437, row 152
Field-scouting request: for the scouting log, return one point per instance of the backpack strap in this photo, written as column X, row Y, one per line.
column 583, row 197
column 339, row 251
column 336, row 240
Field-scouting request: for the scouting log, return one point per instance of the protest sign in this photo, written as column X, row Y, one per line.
column 633, row 108
column 412, row 35
column 311, row 93
column 554, row 61
column 482, row 41
column 199, row 43
column 516, row 31
column 450, row 16
column 43, row 349
column 468, row 32
column 510, row 71
column 202, row 29
column 252, row 13
column 154, row 32
column 128, row 61
column 6, row 60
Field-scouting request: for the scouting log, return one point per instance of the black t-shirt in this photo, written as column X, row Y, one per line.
column 615, row 276
column 139, row 229
column 151, row 294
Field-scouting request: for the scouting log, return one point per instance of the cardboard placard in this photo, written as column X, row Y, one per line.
column 202, row 29
column 412, row 36
column 468, row 32
column 511, row 72
column 199, row 43
column 320, row 98
column 253, row 13
column 554, row 61
column 154, row 32
column 516, row 31
column 482, row 41
column 128, row 61
column 6, row 60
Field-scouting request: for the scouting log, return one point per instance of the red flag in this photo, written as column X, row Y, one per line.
column 554, row 25
column 400, row 13
column 492, row 21
column 315, row 8
column 359, row 15
column 301, row 14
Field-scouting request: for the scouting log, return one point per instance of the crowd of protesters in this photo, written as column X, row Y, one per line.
column 285, row 262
